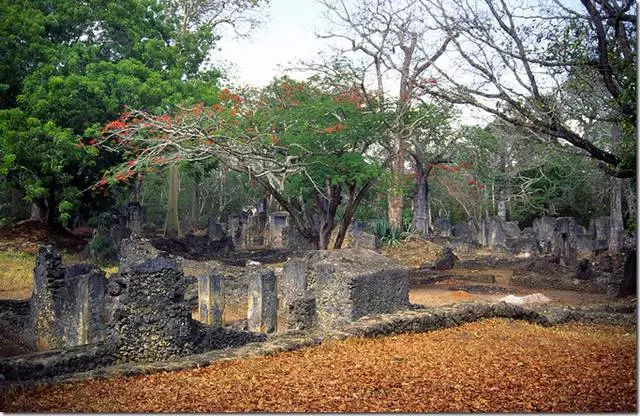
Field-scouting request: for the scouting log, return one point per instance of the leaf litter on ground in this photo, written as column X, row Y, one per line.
column 493, row 365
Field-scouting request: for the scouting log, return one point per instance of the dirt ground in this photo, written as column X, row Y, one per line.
column 27, row 236
column 438, row 294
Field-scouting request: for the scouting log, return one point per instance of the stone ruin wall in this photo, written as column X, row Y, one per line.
column 559, row 236
column 329, row 289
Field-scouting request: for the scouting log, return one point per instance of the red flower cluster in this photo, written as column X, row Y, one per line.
column 352, row 96
column 448, row 168
column 124, row 175
column 226, row 95
column 115, row 125
column 336, row 128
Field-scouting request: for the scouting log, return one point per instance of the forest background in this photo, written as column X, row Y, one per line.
column 105, row 102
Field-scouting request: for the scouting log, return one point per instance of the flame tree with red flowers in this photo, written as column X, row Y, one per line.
column 307, row 147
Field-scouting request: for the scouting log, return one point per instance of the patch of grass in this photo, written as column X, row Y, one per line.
column 16, row 269
column 16, row 272
column 109, row 270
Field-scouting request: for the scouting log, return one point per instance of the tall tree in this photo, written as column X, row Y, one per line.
column 430, row 145
column 394, row 43
column 69, row 67
column 305, row 146
column 534, row 61
column 521, row 61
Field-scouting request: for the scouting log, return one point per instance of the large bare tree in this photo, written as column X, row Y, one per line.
column 389, row 45
column 554, row 67
column 521, row 61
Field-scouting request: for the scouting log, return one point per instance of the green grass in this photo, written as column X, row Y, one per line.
column 16, row 269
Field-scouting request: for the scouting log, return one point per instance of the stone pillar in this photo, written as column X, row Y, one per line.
column 262, row 311
column 210, row 299
column 48, row 281
column 236, row 228
column 565, row 239
column 214, row 230
column 299, row 305
column 496, row 235
column 134, row 219
column 68, row 304
column 294, row 280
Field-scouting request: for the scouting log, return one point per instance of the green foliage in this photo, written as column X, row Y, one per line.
column 393, row 236
column 69, row 67
column 303, row 145
column 101, row 248
column 41, row 158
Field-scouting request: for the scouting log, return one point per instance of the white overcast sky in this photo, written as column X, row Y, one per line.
column 286, row 36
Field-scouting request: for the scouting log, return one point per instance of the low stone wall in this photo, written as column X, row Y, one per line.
column 81, row 363
column 53, row 363
column 429, row 319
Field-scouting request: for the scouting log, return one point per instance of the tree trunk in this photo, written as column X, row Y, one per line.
column 628, row 199
column 195, row 203
column 421, row 201
column 52, row 218
column 502, row 208
column 172, row 220
column 350, row 210
column 503, row 190
column 616, row 228
column 137, row 192
column 395, row 200
column 327, row 210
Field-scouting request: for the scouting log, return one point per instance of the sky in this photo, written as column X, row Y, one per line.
column 286, row 36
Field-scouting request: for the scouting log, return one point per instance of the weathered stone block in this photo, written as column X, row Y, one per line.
column 278, row 221
column 294, row 276
column 262, row 311
column 135, row 251
column 67, row 303
column 210, row 298
column 443, row 227
column 214, row 230
column 150, row 319
column 362, row 239
column 599, row 228
column 48, row 279
column 236, row 223
column 446, row 260
column 254, row 232
column 511, row 228
column 350, row 283
column 565, row 240
column 83, row 305
column 301, row 313
column 543, row 228
column 496, row 235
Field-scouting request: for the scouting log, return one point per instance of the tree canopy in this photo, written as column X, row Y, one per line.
column 302, row 144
